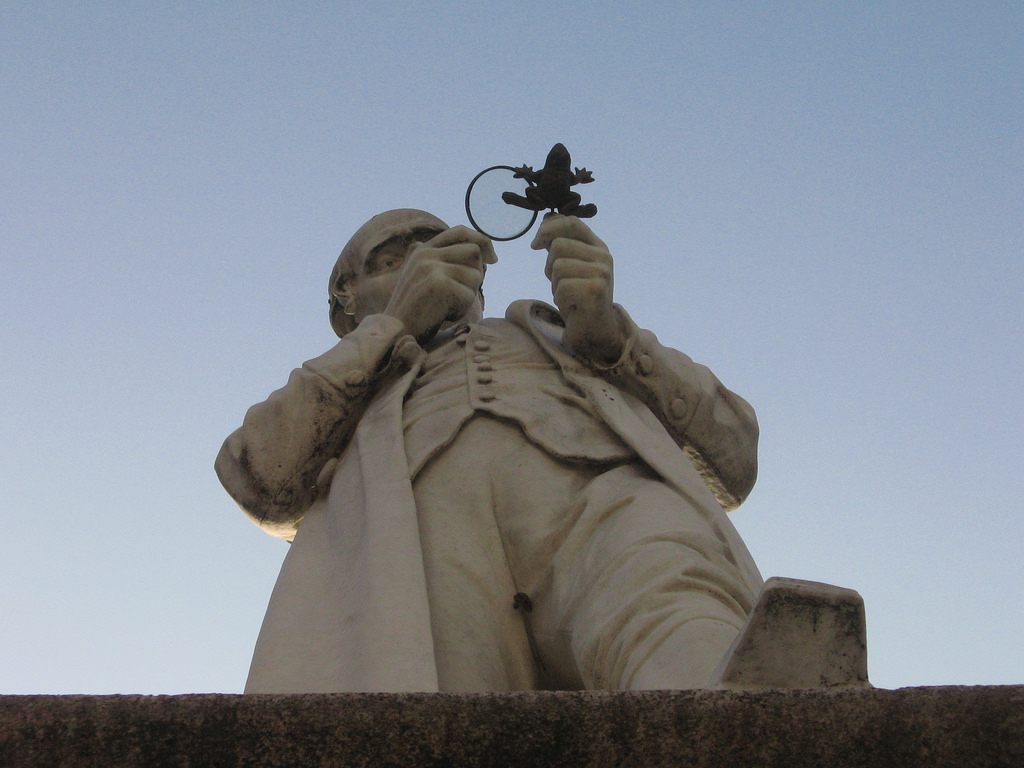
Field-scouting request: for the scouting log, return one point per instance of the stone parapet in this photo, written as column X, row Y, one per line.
column 934, row 727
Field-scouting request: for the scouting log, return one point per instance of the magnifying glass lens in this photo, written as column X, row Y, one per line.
column 491, row 215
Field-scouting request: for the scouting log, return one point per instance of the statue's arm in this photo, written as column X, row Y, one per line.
column 270, row 465
column 715, row 426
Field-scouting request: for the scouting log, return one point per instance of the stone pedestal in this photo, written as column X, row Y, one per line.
column 933, row 727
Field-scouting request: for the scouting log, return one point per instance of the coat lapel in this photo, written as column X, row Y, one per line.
column 629, row 418
column 350, row 610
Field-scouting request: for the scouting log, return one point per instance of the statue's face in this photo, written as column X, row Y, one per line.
column 379, row 250
column 371, row 263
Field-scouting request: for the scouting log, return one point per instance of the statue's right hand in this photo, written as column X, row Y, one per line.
column 440, row 280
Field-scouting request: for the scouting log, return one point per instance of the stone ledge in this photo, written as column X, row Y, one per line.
column 948, row 726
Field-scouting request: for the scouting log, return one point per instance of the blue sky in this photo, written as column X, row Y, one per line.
column 822, row 202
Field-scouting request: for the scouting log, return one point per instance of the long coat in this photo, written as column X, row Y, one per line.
column 322, row 462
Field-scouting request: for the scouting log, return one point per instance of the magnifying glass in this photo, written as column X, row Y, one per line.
column 491, row 215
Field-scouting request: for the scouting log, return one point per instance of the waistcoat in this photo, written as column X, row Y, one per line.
column 494, row 368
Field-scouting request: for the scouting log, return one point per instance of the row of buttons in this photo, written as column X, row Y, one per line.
column 482, row 365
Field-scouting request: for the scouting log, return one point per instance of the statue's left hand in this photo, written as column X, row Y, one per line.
column 580, row 269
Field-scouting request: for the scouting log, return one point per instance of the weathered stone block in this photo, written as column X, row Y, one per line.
column 801, row 634
column 933, row 727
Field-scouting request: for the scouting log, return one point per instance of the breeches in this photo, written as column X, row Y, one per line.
column 628, row 584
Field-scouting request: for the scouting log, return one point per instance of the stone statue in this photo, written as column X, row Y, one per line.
column 534, row 502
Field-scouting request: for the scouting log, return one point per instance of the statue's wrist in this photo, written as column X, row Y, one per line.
column 615, row 350
column 396, row 317
column 385, row 324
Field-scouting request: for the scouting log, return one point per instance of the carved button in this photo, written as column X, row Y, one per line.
column 484, row 378
column 355, row 379
column 481, row 345
column 485, row 367
column 678, row 408
column 486, row 396
column 481, row 358
column 645, row 364
column 460, row 340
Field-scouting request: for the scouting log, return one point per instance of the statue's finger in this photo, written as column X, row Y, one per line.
column 544, row 237
column 461, row 234
column 456, row 253
column 579, row 268
column 566, row 248
column 557, row 225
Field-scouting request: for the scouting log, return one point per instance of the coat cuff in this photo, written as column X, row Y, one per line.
column 373, row 339
column 629, row 335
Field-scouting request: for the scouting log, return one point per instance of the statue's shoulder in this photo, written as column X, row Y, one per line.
column 529, row 312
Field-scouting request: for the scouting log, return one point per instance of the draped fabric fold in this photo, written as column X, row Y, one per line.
column 350, row 610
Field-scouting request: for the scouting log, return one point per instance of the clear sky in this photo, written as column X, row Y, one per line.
column 821, row 201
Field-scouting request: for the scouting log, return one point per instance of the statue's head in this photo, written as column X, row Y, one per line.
column 367, row 269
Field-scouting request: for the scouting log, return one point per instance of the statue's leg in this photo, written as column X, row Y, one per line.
column 493, row 510
column 480, row 640
column 644, row 589
column 629, row 586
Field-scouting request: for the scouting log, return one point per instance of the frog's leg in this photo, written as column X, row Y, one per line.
column 570, row 204
column 537, row 197
column 518, row 200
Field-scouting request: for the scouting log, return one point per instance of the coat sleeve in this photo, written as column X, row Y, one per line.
column 716, row 427
column 271, row 464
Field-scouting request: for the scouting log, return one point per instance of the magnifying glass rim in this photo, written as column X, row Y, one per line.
column 469, row 213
